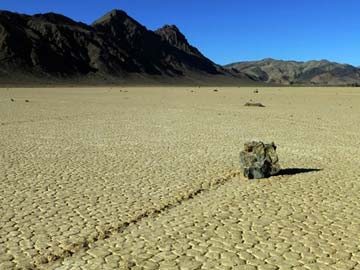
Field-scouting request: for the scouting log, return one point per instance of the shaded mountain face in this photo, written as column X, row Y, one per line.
column 37, row 44
column 54, row 46
column 291, row 72
column 172, row 35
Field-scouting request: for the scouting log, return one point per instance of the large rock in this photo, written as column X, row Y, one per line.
column 259, row 160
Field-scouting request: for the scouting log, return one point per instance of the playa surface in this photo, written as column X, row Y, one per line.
column 149, row 178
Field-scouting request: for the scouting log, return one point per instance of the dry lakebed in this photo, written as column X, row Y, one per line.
column 149, row 178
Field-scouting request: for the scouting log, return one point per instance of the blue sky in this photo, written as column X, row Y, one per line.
column 233, row 30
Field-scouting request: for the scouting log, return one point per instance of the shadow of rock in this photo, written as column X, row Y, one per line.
column 293, row 171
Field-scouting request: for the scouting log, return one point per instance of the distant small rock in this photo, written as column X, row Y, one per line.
column 12, row 100
column 215, row 90
column 253, row 104
column 256, row 91
column 259, row 160
column 26, row 100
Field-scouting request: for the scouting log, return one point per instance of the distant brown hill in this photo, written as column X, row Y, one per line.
column 291, row 72
column 115, row 48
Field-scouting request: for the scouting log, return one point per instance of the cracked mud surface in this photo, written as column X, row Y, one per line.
column 149, row 179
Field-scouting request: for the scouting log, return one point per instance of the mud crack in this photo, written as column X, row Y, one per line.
column 71, row 249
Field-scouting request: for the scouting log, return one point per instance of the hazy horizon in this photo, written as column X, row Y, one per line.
column 234, row 31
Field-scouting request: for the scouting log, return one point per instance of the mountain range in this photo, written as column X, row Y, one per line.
column 320, row 72
column 54, row 49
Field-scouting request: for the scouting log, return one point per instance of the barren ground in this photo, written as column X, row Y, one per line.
column 149, row 178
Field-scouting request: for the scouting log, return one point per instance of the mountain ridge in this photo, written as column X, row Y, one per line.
column 289, row 72
column 115, row 48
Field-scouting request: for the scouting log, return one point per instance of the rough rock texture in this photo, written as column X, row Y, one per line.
column 259, row 160
column 172, row 35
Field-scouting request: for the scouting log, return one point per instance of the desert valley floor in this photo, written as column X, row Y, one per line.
column 149, row 178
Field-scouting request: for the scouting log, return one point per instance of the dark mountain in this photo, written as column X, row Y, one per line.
column 172, row 35
column 116, row 48
column 51, row 48
column 148, row 51
column 291, row 72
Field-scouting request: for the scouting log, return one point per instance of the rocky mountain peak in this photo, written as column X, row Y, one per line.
column 120, row 25
column 172, row 35
column 117, row 19
column 112, row 16
column 171, row 32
